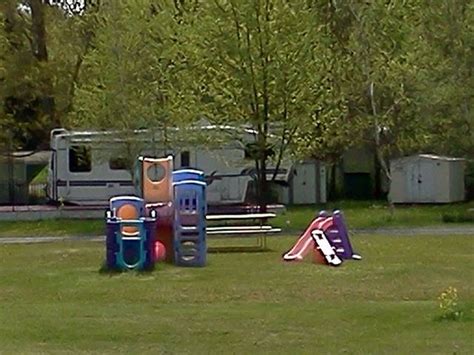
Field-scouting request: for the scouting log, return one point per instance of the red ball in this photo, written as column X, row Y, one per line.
column 160, row 251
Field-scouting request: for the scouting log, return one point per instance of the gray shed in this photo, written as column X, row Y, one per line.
column 427, row 178
column 16, row 174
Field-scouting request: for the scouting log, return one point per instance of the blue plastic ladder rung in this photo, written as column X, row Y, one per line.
column 131, row 238
column 194, row 232
column 189, row 238
column 189, row 233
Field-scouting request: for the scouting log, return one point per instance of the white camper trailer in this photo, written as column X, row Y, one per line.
column 88, row 168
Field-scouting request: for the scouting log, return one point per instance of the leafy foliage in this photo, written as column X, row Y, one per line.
column 130, row 79
column 448, row 81
column 263, row 64
column 312, row 78
column 407, row 89
column 40, row 61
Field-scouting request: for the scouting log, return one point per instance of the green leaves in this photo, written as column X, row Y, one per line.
column 131, row 79
column 297, row 72
column 448, row 86
column 261, row 63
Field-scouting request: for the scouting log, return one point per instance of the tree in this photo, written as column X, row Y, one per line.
column 448, row 86
column 409, row 78
column 42, row 47
column 260, row 64
column 381, row 80
column 132, row 77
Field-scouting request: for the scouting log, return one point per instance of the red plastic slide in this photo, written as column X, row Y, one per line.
column 305, row 242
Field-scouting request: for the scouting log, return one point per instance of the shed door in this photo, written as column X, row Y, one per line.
column 304, row 184
column 413, row 174
column 420, row 186
column 426, row 181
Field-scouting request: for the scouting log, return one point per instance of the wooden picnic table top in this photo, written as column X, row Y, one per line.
column 236, row 233
column 238, row 228
column 219, row 217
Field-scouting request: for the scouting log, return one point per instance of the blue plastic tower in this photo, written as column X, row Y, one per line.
column 190, row 247
column 130, row 243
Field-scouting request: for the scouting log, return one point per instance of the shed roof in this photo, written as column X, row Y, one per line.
column 439, row 157
column 427, row 157
column 30, row 157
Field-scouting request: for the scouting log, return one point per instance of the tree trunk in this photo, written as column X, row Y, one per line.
column 262, row 185
column 261, row 165
column 333, row 195
column 39, row 30
column 377, row 178
column 46, row 107
column 378, row 148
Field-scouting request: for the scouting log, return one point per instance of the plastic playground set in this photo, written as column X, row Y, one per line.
column 167, row 222
column 327, row 238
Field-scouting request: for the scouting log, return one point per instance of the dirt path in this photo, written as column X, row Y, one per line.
column 434, row 230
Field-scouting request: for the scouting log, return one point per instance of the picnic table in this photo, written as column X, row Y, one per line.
column 230, row 225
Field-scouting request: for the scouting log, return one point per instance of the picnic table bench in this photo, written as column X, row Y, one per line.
column 228, row 226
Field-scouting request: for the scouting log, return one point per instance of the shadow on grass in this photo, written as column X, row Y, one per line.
column 458, row 217
column 105, row 270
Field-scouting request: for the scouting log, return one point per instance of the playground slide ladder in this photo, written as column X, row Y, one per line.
column 190, row 247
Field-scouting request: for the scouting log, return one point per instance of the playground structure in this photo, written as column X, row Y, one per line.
column 327, row 238
column 189, row 240
column 170, row 213
column 168, row 221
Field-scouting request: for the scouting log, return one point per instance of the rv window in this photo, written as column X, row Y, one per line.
column 80, row 159
column 118, row 163
column 185, row 159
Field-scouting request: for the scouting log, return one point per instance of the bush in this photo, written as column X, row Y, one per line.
column 448, row 303
column 458, row 217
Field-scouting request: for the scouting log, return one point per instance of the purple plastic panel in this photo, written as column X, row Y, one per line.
column 190, row 223
column 111, row 247
column 188, row 219
column 339, row 237
column 150, row 228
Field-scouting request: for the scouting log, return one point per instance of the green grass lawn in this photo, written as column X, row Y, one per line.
column 54, row 227
column 363, row 214
column 54, row 300
column 371, row 214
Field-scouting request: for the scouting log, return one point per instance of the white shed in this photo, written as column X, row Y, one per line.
column 427, row 178
column 307, row 184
